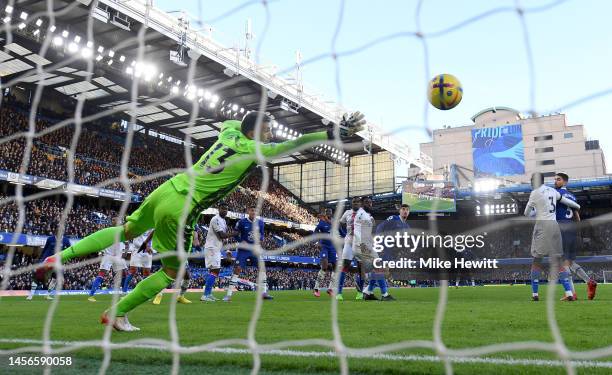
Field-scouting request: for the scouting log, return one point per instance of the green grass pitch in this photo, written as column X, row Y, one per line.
column 424, row 205
column 474, row 317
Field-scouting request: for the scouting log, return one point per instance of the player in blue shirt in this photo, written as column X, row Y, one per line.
column 40, row 278
column 568, row 219
column 393, row 224
column 246, row 228
column 327, row 254
column 396, row 222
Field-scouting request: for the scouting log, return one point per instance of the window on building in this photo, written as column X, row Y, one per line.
column 547, row 137
column 544, row 149
column 360, row 177
column 384, row 172
column 289, row 176
column 336, row 185
column 546, row 162
column 591, row 145
column 313, row 176
column 568, row 135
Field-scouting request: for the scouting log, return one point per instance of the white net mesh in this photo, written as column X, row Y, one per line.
column 153, row 18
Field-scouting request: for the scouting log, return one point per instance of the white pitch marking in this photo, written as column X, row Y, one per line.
column 297, row 353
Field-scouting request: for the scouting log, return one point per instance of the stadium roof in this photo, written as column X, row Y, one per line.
column 225, row 82
column 495, row 109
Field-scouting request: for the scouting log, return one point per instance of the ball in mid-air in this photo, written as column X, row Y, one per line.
column 444, row 91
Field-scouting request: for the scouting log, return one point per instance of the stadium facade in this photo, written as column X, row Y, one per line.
column 548, row 145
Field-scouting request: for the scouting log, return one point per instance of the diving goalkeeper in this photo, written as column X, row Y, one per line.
column 219, row 171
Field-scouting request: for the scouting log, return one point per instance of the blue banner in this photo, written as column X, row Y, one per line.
column 17, row 239
column 498, row 151
column 47, row 183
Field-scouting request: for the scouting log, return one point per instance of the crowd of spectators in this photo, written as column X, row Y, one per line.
column 42, row 215
column 98, row 157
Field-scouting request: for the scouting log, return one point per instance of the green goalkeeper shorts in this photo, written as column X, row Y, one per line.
column 162, row 210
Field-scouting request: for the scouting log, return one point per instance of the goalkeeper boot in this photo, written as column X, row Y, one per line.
column 369, row 297
column 339, row 297
column 266, row 296
column 120, row 323
column 92, row 299
column 227, row 299
column 591, row 289
column 359, row 296
column 29, row 297
column 183, row 300
column 388, row 297
column 132, row 328
column 49, row 297
column 157, row 299
column 330, row 292
column 316, row 293
column 49, row 263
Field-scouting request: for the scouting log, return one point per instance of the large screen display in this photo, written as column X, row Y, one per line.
column 498, row 151
column 429, row 196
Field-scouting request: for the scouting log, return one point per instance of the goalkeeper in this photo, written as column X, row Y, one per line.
column 229, row 161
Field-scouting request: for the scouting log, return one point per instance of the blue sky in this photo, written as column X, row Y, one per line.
column 570, row 43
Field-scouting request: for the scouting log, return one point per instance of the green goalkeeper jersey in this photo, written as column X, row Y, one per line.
column 228, row 161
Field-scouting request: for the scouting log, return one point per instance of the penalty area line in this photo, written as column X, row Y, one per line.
column 299, row 353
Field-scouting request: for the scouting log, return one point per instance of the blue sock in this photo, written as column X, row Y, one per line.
column 371, row 285
column 210, row 282
column 95, row 285
column 535, row 280
column 382, row 283
column 126, row 282
column 359, row 284
column 564, row 279
column 341, row 282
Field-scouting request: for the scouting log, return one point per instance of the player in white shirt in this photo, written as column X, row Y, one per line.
column 217, row 232
column 546, row 239
column 141, row 256
column 112, row 256
column 348, row 219
column 363, row 243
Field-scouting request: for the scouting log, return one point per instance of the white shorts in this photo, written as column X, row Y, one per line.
column 109, row 261
column 212, row 257
column 347, row 250
column 141, row 260
column 365, row 258
column 546, row 239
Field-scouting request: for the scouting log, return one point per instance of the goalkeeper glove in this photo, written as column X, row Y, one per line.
column 350, row 124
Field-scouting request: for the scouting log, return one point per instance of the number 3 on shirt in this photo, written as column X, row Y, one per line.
column 552, row 205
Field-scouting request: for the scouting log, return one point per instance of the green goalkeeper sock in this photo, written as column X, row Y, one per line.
column 93, row 243
column 144, row 290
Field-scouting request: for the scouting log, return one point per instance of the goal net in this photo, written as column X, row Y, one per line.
column 59, row 165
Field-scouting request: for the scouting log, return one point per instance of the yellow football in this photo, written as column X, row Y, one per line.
column 444, row 91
